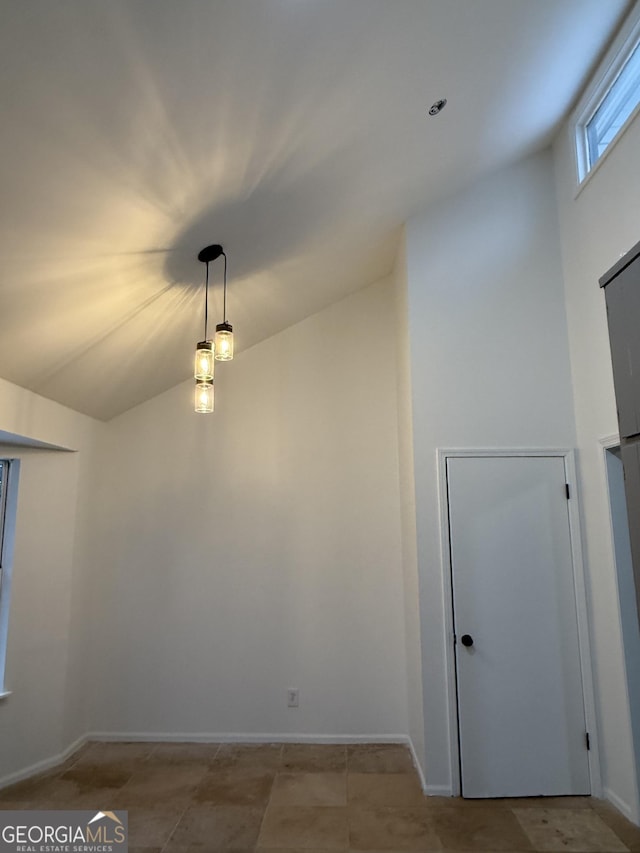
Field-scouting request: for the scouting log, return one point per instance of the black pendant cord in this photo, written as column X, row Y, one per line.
column 224, row 297
column 206, row 302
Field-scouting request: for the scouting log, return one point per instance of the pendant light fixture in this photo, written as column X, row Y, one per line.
column 204, row 360
column 224, row 330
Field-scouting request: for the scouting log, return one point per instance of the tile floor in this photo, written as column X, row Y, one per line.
column 196, row 798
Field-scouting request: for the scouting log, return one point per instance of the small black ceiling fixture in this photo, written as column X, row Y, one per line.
column 437, row 107
column 210, row 253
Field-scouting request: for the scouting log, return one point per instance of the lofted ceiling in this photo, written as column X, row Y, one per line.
column 294, row 132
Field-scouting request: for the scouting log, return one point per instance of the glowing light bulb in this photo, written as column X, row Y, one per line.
column 224, row 342
column 204, row 397
column 203, row 369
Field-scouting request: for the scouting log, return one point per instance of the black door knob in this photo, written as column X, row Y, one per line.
column 466, row 640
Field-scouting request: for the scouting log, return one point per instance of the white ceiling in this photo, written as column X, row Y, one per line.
column 294, row 132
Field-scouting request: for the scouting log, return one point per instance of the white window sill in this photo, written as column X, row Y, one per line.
column 4, row 694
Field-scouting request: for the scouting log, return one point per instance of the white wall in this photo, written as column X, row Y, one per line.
column 596, row 227
column 44, row 642
column 489, row 363
column 408, row 509
column 259, row 548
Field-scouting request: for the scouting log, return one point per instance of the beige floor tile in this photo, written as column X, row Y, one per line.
column 309, row 789
column 263, row 756
column 222, row 792
column 137, row 849
column 241, row 769
column 295, row 850
column 154, row 785
column 384, row 789
column 216, row 827
column 88, row 776
column 323, row 827
column 57, row 793
column 488, row 829
column 376, row 828
column 183, row 753
column 313, row 758
column 29, row 789
column 205, row 848
column 568, row 829
column 510, row 802
column 541, row 802
column 626, row 831
column 105, row 765
column 29, row 805
column 152, row 827
column 71, row 760
column 100, row 752
column 379, row 758
column 71, row 796
column 235, row 787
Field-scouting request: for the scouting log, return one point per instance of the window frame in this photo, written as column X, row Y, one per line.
column 601, row 83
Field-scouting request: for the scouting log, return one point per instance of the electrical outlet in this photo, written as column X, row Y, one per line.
column 293, row 699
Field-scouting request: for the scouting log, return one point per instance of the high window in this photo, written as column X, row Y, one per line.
column 611, row 101
column 618, row 104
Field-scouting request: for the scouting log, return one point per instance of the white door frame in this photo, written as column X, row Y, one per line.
column 580, row 593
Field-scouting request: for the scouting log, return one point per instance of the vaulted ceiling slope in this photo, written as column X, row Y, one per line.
column 294, row 132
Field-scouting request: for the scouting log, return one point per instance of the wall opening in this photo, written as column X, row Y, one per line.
column 626, row 592
column 8, row 508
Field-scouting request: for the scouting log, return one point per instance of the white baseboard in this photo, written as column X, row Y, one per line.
column 437, row 791
column 621, row 805
column 417, row 765
column 241, row 737
column 42, row 766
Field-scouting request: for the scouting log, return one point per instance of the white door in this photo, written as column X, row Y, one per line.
column 520, row 697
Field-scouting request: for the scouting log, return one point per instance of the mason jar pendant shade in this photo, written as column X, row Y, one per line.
column 203, row 370
column 224, row 342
